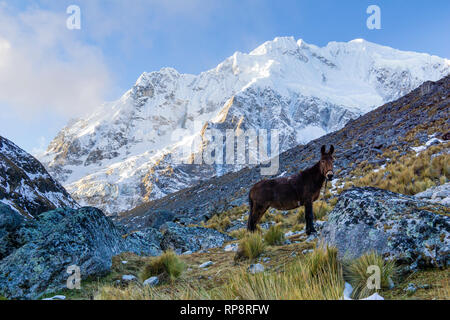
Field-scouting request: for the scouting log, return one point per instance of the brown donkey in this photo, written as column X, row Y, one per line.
column 288, row 193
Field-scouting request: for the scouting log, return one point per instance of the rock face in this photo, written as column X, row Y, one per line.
column 25, row 185
column 413, row 232
column 183, row 239
column 126, row 153
column 439, row 194
column 36, row 253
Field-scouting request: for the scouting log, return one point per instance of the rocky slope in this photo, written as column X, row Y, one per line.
column 129, row 151
column 25, row 185
column 397, row 126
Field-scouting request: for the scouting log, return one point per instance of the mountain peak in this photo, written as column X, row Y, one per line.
column 275, row 45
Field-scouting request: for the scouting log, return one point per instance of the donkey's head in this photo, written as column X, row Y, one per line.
column 326, row 162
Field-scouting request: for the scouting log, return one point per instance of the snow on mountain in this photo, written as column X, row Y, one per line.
column 25, row 185
column 124, row 153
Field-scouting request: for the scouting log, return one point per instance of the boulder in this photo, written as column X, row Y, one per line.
column 182, row 239
column 402, row 228
column 48, row 245
column 10, row 221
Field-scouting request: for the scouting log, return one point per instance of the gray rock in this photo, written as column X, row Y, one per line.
column 145, row 242
column 439, row 194
column 397, row 226
column 128, row 278
column 152, row 281
column 193, row 239
column 57, row 297
column 256, row 268
column 56, row 240
column 10, row 220
column 231, row 247
column 206, row 264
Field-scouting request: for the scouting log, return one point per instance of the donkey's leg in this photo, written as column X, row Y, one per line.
column 255, row 216
column 309, row 217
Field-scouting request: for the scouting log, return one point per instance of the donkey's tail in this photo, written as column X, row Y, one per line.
column 251, row 224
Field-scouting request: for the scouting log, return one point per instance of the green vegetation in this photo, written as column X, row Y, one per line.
column 166, row 266
column 274, row 236
column 251, row 246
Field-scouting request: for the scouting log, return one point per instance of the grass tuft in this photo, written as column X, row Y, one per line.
column 167, row 266
column 274, row 236
column 251, row 246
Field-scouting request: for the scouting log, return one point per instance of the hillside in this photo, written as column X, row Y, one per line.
column 25, row 185
column 129, row 151
column 370, row 143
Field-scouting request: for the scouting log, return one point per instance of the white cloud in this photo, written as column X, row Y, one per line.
column 44, row 67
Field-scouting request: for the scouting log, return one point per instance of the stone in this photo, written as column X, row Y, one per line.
column 206, row 264
column 231, row 247
column 128, row 278
column 182, row 239
column 152, row 281
column 57, row 297
column 256, row 268
column 398, row 227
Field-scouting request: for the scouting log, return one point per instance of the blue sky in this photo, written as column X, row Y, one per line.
column 50, row 74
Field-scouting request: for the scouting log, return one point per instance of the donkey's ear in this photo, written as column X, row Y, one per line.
column 322, row 150
column 331, row 150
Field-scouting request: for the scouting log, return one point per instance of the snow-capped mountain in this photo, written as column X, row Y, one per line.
column 25, row 185
column 125, row 152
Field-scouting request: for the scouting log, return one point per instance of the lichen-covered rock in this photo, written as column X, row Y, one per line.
column 193, row 239
column 57, row 239
column 145, row 242
column 399, row 227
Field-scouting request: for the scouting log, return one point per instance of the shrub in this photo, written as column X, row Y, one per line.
column 167, row 265
column 274, row 236
column 356, row 273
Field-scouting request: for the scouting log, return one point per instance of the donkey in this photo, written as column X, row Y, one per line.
column 288, row 193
